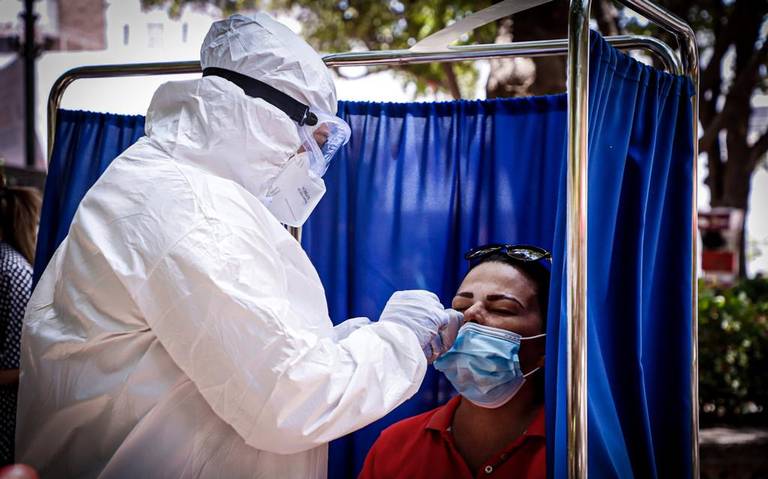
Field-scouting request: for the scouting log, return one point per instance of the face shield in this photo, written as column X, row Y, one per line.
column 297, row 189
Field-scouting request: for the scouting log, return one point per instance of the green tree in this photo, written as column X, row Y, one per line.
column 338, row 26
column 175, row 7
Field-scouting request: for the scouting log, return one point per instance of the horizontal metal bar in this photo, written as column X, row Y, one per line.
column 460, row 53
column 524, row 49
column 672, row 23
column 107, row 71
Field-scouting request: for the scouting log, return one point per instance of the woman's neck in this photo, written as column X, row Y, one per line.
column 479, row 432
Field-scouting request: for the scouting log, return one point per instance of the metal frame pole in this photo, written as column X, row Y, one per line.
column 387, row 57
column 576, row 259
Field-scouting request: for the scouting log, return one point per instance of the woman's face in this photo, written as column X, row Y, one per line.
column 499, row 295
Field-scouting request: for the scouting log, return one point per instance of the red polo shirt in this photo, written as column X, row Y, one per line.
column 422, row 446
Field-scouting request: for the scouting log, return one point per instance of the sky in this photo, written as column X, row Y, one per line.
column 173, row 42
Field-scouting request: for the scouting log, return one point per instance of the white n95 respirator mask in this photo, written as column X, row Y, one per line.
column 295, row 191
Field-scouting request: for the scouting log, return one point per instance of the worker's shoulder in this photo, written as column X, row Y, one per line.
column 146, row 184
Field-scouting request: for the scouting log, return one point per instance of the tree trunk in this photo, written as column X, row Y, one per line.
column 525, row 76
column 509, row 76
column 732, row 184
column 453, row 83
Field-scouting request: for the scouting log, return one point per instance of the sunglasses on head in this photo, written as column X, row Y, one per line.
column 518, row 252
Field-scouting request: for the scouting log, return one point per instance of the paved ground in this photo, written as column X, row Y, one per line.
column 728, row 453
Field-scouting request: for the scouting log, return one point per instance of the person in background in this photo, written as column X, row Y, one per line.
column 495, row 426
column 19, row 217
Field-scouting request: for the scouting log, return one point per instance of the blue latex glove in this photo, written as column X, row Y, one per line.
column 420, row 311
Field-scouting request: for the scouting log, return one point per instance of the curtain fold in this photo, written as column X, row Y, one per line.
column 420, row 183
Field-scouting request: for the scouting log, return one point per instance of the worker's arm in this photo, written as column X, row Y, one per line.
column 218, row 302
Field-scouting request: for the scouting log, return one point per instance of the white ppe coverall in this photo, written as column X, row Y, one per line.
column 179, row 330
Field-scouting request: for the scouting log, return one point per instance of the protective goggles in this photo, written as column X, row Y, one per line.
column 323, row 140
column 517, row 252
column 322, row 134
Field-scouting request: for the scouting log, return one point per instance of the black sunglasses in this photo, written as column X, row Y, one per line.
column 519, row 252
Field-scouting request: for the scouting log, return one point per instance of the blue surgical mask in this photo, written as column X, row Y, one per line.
column 483, row 364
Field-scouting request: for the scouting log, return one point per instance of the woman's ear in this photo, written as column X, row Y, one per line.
column 540, row 362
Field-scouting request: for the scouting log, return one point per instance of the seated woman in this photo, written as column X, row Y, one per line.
column 495, row 426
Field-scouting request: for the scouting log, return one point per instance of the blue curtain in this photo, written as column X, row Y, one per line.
column 420, row 183
column 417, row 186
column 639, row 276
column 86, row 143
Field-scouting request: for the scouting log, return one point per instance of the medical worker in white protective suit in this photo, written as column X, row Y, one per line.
column 179, row 330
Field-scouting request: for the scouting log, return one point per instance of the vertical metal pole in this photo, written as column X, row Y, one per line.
column 576, row 261
column 694, row 74
column 689, row 54
column 295, row 232
column 30, row 53
column 695, row 297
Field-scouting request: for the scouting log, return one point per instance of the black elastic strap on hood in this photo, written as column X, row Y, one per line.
column 298, row 111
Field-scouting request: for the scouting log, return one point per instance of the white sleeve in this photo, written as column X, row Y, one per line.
column 345, row 328
column 217, row 302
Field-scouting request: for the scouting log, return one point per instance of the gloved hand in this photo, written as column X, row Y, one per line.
column 421, row 312
column 344, row 329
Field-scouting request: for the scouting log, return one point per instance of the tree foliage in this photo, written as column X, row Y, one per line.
column 342, row 25
column 175, row 7
column 733, row 346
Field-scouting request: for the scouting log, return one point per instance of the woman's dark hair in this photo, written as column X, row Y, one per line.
column 533, row 270
column 19, row 218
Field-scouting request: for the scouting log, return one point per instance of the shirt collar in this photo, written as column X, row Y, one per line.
column 537, row 426
column 443, row 418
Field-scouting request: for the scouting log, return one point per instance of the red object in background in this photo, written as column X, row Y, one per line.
column 18, row 471
column 715, row 261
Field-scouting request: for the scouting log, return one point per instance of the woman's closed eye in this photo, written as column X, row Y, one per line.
column 504, row 312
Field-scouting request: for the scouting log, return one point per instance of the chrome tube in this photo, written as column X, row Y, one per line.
column 672, row 23
column 576, row 231
column 695, row 467
column 295, row 232
column 107, row 71
column 387, row 57
column 537, row 48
